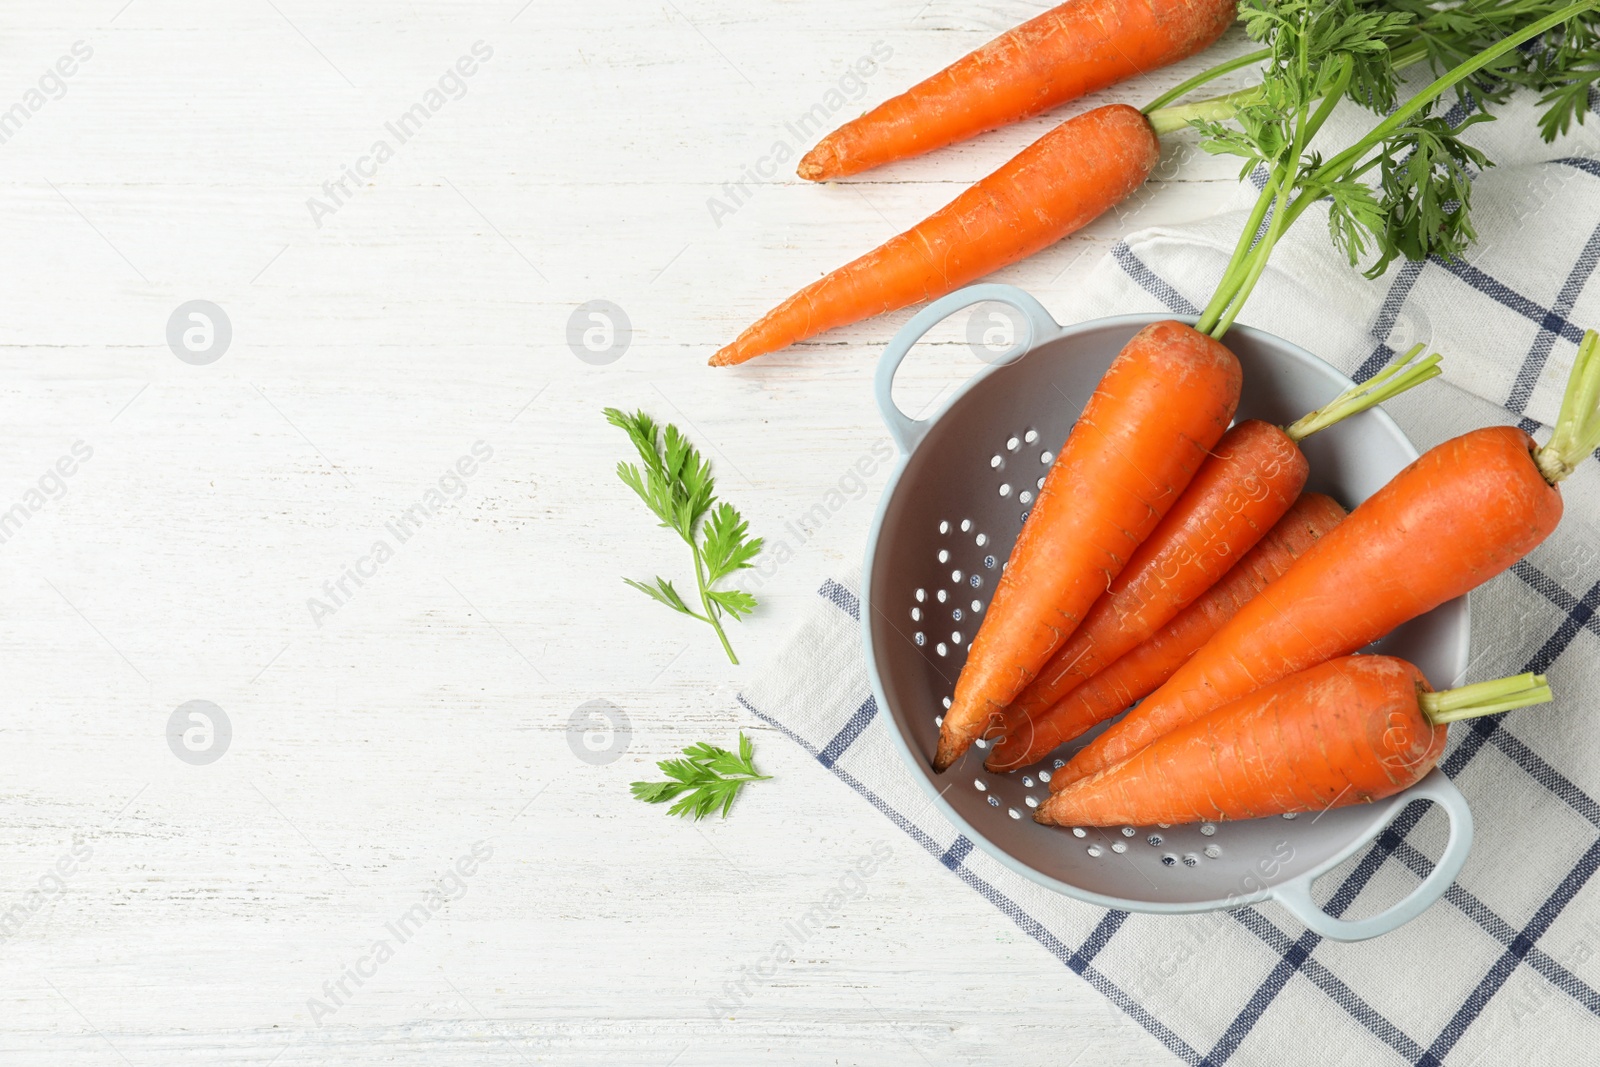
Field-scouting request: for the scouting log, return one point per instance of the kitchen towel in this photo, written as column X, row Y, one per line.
column 1506, row 968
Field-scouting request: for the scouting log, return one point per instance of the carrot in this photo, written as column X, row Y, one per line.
column 1061, row 182
column 1461, row 514
column 1141, row 671
column 1067, row 52
column 1349, row 731
column 1255, row 472
column 1164, row 401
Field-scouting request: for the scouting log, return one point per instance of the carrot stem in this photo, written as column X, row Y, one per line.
column 1577, row 430
column 1247, row 235
column 1485, row 698
column 1189, row 85
column 1216, row 108
column 712, row 615
column 1249, row 263
column 1401, row 374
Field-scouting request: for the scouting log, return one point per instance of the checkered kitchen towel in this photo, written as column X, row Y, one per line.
column 1506, row 969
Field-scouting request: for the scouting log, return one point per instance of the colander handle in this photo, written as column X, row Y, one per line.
column 908, row 431
column 1296, row 895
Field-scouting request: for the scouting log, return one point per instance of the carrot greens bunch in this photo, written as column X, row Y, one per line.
column 1402, row 189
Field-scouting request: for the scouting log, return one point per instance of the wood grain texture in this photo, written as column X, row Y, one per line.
column 430, row 711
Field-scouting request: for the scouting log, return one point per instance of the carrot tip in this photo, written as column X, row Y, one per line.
column 811, row 169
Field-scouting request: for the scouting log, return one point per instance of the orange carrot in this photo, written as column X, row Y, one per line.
column 1455, row 518
column 1252, row 477
column 1246, row 485
column 1461, row 514
column 1349, row 731
column 1067, row 52
column 1165, row 400
column 1141, row 671
column 1061, row 182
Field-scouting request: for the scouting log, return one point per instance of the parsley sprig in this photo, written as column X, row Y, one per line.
column 705, row 778
column 675, row 483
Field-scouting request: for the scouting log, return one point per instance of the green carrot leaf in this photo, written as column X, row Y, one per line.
column 676, row 484
column 708, row 777
column 727, row 546
column 662, row 591
column 735, row 602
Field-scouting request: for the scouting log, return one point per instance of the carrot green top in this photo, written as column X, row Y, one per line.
column 1404, row 188
column 1578, row 426
column 1485, row 698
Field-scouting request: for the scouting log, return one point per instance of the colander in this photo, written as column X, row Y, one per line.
column 946, row 524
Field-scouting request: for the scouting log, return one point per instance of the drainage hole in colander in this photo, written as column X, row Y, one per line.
column 1031, row 436
column 1155, row 840
column 1014, row 813
column 1044, row 776
column 977, row 783
column 955, row 638
column 994, row 802
column 944, row 527
column 1191, row 860
column 1013, row 444
column 938, row 720
column 1078, row 831
column 1032, row 803
column 1027, row 781
column 1290, row 814
column 989, row 561
column 996, row 462
column 1057, row 764
column 1040, row 482
column 1046, row 458
column 944, row 555
column 920, row 638
column 1127, row 831
column 942, row 648
column 1164, row 825
column 1095, row 850
column 955, row 576
column 982, row 539
column 916, row 614
column 1212, row 851
column 1169, row 860
column 921, row 595
column 1118, row 847
column 1025, row 497
column 956, row 614
column 1005, row 488
column 977, row 605
column 976, row 582
column 941, row 596
column 966, row 525
column 947, row 702
column 1208, row 828
column 1024, row 516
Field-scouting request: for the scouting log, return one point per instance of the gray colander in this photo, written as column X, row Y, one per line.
column 946, row 524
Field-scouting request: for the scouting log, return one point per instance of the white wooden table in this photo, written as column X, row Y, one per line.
column 164, row 911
